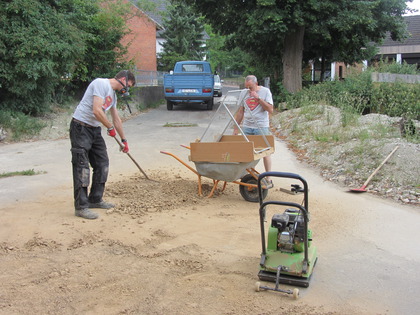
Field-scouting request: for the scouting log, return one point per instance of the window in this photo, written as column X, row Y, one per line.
column 192, row 68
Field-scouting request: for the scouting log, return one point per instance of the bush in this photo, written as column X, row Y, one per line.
column 353, row 94
column 396, row 99
column 386, row 67
column 357, row 94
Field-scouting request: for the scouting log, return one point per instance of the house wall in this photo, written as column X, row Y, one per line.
column 141, row 40
column 340, row 70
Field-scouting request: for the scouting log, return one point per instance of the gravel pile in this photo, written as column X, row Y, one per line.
column 347, row 149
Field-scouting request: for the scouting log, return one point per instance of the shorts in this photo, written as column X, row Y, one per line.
column 256, row 131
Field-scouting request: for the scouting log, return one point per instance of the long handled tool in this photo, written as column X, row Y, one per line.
column 137, row 164
column 363, row 188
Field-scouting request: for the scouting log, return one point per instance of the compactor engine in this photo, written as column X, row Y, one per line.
column 289, row 228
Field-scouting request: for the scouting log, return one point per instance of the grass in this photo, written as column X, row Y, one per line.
column 180, row 124
column 347, row 127
column 327, row 136
column 324, row 129
column 348, row 118
column 364, row 135
column 30, row 172
column 141, row 106
column 19, row 124
column 311, row 111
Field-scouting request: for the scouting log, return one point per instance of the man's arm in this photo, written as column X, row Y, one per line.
column 266, row 105
column 99, row 113
column 117, row 121
column 238, row 117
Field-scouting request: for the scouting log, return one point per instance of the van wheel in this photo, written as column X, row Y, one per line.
column 210, row 104
column 169, row 105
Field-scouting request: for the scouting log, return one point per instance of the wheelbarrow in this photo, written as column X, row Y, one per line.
column 241, row 173
column 226, row 157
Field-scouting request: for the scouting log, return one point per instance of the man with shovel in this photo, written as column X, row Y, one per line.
column 88, row 145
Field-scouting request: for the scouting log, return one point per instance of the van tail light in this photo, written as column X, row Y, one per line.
column 169, row 90
column 206, row 90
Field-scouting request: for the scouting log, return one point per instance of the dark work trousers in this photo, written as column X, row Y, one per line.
column 88, row 147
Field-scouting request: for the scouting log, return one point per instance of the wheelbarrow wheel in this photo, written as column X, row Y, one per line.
column 251, row 193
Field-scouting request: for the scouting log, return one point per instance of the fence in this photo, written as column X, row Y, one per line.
column 392, row 77
column 149, row 78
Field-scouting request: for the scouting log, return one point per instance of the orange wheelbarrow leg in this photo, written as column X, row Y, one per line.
column 224, row 186
column 215, row 183
column 200, row 191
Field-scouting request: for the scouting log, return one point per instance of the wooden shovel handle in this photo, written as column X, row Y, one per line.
column 137, row 164
column 379, row 167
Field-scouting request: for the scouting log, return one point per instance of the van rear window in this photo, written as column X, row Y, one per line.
column 193, row 68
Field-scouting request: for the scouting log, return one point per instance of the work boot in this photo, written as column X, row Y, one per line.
column 86, row 214
column 102, row 205
column 267, row 183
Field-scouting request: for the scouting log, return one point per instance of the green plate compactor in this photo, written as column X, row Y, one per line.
column 288, row 256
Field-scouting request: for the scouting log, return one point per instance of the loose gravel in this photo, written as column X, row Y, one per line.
column 347, row 149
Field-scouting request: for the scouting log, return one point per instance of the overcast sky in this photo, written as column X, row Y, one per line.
column 415, row 4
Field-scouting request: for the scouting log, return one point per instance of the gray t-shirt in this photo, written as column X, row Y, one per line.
column 101, row 88
column 255, row 115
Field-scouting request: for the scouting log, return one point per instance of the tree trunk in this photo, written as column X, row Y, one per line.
column 292, row 60
column 322, row 76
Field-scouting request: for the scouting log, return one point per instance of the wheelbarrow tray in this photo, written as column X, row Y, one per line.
column 232, row 148
column 227, row 172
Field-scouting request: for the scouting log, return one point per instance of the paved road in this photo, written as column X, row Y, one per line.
column 369, row 251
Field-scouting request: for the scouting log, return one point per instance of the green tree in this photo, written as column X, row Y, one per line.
column 277, row 32
column 38, row 46
column 221, row 58
column 103, row 28
column 348, row 36
column 183, row 36
column 44, row 45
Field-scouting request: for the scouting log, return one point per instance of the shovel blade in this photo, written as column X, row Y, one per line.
column 359, row 190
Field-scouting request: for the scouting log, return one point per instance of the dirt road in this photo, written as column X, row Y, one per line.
column 164, row 250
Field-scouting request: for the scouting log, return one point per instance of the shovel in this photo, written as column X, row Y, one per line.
column 363, row 188
column 137, row 164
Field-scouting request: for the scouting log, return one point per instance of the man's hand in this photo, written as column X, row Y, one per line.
column 125, row 143
column 111, row 132
column 254, row 94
